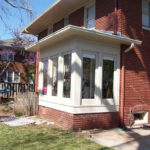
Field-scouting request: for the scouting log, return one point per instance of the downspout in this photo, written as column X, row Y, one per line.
column 122, row 97
column 116, row 17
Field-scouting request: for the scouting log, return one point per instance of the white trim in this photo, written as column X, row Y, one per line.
column 79, row 109
column 71, row 30
column 146, row 28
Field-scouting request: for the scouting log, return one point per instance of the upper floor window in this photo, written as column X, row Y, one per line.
column 90, row 17
column 50, row 31
column 66, row 21
column 146, row 13
column 7, row 57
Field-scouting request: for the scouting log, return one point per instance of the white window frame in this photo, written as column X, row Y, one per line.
column 13, row 76
column 63, row 54
column 115, row 81
column 92, row 101
column 146, row 13
column 88, row 5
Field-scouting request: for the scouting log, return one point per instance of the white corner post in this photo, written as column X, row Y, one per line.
column 76, row 77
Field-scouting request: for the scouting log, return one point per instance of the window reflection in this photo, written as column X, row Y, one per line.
column 45, row 78
column 54, row 76
column 88, row 78
column 108, row 74
column 67, row 75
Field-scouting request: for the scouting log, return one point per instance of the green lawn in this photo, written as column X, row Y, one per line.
column 42, row 138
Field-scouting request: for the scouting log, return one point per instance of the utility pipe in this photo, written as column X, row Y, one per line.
column 116, row 17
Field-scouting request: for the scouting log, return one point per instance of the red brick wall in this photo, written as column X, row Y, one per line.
column 77, row 17
column 105, row 15
column 58, row 25
column 84, row 121
column 137, row 66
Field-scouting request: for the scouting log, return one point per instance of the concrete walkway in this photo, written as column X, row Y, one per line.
column 136, row 139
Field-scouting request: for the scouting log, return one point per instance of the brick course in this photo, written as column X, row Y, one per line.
column 81, row 121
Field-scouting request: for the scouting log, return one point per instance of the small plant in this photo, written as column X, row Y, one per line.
column 18, row 114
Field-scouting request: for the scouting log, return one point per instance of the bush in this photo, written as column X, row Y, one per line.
column 26, row 103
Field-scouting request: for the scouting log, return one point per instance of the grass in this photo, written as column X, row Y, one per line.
column 42, row 138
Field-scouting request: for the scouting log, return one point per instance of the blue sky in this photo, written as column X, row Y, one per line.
column 14, row 20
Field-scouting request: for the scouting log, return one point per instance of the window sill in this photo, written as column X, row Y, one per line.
column 146, row 28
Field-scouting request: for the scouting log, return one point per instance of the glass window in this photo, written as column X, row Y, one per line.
column 67, row 75
column 10, row 76
column 54, row 76
column 108, row 75
column 16, row 77
column 90, row 17
column 4, row 57
column 88, row 76
column 10, row 57
column 45, row 77
column 66, row 21
column 50, row 31
column 146, row 13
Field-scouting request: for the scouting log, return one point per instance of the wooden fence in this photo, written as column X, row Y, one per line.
column 16, row 88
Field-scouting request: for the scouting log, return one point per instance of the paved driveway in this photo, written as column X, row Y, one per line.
column 136, row 139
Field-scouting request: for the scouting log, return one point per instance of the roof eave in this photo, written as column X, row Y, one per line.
column 74, row 30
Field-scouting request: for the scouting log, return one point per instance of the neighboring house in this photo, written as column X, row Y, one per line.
column 12, row 65
column 94, row 68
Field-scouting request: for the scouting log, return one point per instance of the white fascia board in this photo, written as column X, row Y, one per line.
column 34, row 21
column 71, row 30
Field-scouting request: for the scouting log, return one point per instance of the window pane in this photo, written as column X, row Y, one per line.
column 16, row 77
column 4, row 57
column 67, row 75
column 145, row 20
column 91, row 17
column 91, row 24
column 108, row 74
column 11, row 57
column 55, row 76
column 10, row 76
column 88, row 77
column 145, row 6
column 45, row 77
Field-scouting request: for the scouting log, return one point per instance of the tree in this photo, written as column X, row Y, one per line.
column 20, row 41
column 22, row 6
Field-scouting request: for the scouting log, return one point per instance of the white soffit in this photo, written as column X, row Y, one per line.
column 74, row 31
column 53, row 14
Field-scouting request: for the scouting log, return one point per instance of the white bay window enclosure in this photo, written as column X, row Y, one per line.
column 82, row 80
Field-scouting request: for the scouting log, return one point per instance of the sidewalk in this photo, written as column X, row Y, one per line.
column 136, row 139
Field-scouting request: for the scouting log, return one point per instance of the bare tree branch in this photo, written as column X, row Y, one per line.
column 17, row 6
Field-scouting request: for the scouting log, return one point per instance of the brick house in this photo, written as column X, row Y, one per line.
column 93, row 69
column 12, row 66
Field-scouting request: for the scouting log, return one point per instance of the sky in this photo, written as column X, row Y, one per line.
column 13, row 20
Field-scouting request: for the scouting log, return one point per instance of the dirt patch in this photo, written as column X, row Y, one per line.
column 5, row 110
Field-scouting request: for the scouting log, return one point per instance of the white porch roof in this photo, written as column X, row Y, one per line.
column 74, row 31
